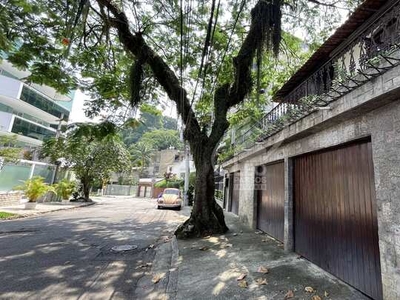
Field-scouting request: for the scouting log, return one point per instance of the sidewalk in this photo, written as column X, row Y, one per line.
column 42, row 208
column 209, row 268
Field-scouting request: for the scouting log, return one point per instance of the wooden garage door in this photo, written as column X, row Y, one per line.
column 271, row 199
column 234, row 192
column 335, row 215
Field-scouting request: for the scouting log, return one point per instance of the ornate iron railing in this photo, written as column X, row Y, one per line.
column 362, row 58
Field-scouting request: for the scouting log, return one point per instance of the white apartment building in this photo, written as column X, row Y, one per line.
column 32, row 112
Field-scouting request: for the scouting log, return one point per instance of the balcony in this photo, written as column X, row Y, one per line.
column 31, row 130
column 32, row 97
column 25, row 99
column 366, row 53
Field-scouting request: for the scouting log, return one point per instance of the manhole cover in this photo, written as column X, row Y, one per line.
column 123, row 248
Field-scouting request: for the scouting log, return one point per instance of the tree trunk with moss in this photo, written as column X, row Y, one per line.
column 206, row 217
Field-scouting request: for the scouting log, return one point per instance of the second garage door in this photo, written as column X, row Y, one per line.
column 271, row 199
column 335, row 215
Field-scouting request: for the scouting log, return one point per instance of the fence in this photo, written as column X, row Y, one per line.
column 13, row 174
column 120, row 190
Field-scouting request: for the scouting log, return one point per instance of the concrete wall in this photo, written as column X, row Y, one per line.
column 373, row 110
column 9, row 87
column 5, row 121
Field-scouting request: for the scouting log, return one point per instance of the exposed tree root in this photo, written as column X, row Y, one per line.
column 197, row 226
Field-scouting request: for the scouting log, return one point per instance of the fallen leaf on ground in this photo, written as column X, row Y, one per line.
column 241, row 277
column 144, row 266
column 241, row 231
column 264, row 240
column 235, row 234
column 151, row 246
column 262, row 270
column 261, row 281
column 289, row 294
column 205, row 248
column 227, row 246
column 243, row 284
column 316, row 297
column 156, row 278
column 326, row 294
column 67, row 262
column 309, row 289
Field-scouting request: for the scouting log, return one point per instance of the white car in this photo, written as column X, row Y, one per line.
column 170, row 198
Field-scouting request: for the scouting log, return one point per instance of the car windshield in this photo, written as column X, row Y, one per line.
column 171, row 192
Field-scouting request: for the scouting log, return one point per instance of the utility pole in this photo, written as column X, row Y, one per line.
column 58, row 163
column 187, row 173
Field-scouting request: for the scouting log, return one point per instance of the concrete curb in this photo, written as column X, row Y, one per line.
column 165, row 264
column 39, row 213
column 172, row 286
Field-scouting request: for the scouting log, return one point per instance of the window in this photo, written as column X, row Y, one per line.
column 31, row 130
column 32, row 97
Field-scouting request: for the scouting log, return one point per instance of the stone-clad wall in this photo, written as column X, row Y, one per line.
column 10, row 198
column 372, row 111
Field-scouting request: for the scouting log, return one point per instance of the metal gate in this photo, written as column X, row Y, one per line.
column 335, row 215
column 270, row 184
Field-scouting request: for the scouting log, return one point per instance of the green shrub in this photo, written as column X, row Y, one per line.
column 169, row 184
column 65, row 188
column 34, row 188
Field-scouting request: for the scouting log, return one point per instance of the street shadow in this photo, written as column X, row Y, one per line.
column 69, row 254
column 219, row 261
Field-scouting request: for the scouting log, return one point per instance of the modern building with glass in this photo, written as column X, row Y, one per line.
column 33, row 113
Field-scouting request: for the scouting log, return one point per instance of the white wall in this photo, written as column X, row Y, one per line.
column 5, row 121
column 9, row 87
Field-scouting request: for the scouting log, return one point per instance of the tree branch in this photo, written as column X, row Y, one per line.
column 229, row 95
column 136, row 44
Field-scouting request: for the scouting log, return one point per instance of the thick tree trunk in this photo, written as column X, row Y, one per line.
column 86, row 190
column 207, row 216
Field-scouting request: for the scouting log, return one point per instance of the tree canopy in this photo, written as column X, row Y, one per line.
column 92, row 151
column 9, row 152
column 69, row 44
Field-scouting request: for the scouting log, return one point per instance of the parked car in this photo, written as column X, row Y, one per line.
column 170, row 198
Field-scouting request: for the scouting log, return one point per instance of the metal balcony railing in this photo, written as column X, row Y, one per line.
column 364, row 56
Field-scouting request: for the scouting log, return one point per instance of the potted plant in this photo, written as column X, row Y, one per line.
column 33, row 189
column 65, row 188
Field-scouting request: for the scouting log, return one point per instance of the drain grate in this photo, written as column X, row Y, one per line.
column 118, row 252
column 123, row 248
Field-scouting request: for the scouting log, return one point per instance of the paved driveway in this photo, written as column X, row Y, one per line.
column 68, row 254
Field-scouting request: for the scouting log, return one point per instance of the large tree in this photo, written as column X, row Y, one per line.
column 92, row 151
column 202, row 55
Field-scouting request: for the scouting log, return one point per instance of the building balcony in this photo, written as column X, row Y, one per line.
column 27, row 131
column 24, row 99
column 358, row 52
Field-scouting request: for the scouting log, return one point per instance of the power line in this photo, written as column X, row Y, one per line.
column 228, row 44
column 204, row 52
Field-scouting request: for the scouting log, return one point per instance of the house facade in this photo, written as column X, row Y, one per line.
column 320, row 172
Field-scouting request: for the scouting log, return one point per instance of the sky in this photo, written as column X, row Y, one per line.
column 77, row 113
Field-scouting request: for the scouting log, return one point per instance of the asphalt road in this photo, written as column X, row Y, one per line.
column 69, row 255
